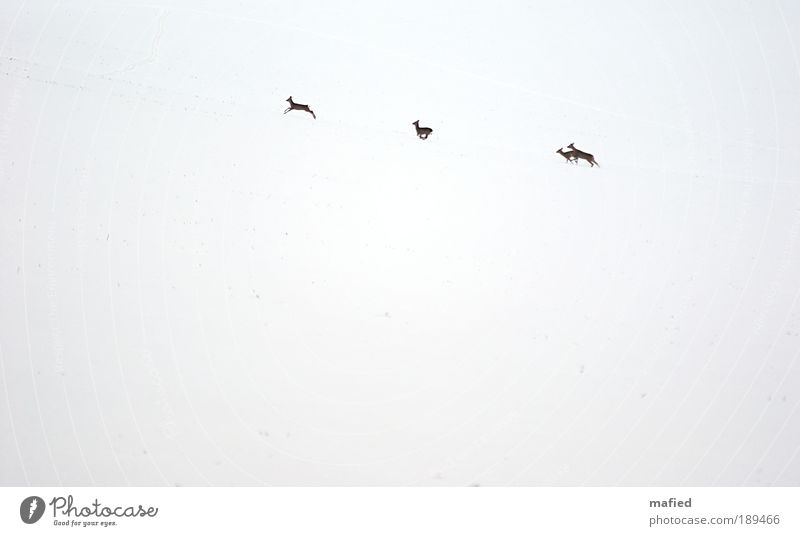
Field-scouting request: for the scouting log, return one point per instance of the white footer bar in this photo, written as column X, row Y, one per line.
column 399, row 511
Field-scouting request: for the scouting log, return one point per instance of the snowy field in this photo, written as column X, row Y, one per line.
column 198, row 289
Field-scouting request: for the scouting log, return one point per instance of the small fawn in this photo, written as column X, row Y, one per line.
column 583, row 155
column 295, row 106
column 569, row 155
column 422, row 132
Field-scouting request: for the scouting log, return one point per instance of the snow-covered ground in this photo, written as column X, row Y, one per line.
column 198, row 289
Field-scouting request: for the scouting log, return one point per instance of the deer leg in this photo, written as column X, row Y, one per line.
column 287, row 110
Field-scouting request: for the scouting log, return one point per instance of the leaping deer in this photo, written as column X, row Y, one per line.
column 295, row 106
column 583, row 155
column 569, row 155
column 422, row 132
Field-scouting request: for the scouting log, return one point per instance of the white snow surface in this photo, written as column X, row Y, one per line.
column 198, row 289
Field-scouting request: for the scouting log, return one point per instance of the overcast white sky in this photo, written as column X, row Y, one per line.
column 197, row 289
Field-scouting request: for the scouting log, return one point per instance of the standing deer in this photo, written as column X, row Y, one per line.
column 585, row 156
column 294, row 106
column 422, row 132
column 569, row 155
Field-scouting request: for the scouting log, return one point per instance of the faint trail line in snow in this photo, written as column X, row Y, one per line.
column 81, row 248
column 794, row 238
column 782, row 269
column 154, row 45
column 794, row 454
column 112, row 310
column 684, row 354
column 674, row 369
column 797, row 354
column 734, row 311
column 676, row 366
column 58, row 348
column 179, row 144
column 13, row 103
column 25, row 247
column 4, row 383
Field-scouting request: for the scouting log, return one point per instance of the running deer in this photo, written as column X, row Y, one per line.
column 294, row 106
column 422, row 132
column 569, row 155
column 585, row 156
